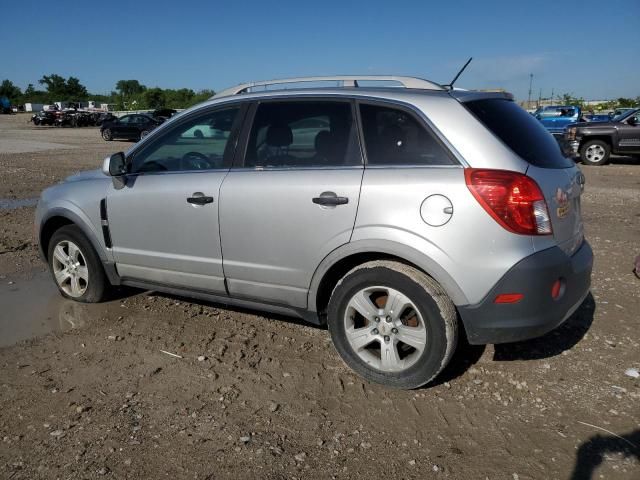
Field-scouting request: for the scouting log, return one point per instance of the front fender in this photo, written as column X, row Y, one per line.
column 73, row 213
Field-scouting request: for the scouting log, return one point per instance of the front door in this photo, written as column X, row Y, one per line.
column 629, row 135
column 292, row 200
column 163, row 217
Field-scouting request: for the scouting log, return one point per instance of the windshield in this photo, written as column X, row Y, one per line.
column 520, row 131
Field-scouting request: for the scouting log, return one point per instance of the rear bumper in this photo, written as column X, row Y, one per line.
column 537, row 313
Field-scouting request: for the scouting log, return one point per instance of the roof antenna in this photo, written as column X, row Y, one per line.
column 450, row 85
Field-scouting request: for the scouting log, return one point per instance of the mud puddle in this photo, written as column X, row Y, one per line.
column 33, row 307
column 13, row 203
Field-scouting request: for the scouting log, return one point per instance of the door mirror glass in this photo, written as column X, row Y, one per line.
column 633, row 121
column 114, row 165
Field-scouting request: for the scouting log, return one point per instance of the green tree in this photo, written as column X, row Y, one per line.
column 75, row 90
column 9, row 90
column 202, row 96
column 29, row 91
column 569, row 99
column 61, row 89
column 626, row 102
column 55, row 84
column 129, row 88
column 154, row 98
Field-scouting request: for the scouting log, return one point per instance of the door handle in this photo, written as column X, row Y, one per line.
column 330, row 199
column 200, row 200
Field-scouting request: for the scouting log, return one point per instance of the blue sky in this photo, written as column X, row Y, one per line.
column 587, row 48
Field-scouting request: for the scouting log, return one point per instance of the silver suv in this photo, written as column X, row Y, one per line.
column 400, row 216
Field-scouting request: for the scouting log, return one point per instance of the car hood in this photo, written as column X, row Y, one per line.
column 595, row 124
column 86, row 175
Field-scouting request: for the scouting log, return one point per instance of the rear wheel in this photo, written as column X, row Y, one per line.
column 595, row 152
column 75, row 266
column 107, row 135
column 392, row 324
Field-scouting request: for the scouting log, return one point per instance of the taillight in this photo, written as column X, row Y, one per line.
column 512, row 199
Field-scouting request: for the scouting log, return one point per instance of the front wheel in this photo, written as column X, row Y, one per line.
column 392, row 324
column 144, row 133
column 75, row 266
column 595, row 152
column 107, row 135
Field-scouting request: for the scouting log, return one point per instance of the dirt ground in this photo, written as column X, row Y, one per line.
column 93, row 395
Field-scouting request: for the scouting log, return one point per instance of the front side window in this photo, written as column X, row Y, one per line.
column 125, row 119
column 302, row 134
column 195, row 144
column 395, row 137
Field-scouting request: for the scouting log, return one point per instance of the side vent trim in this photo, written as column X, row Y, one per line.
column 104, row 221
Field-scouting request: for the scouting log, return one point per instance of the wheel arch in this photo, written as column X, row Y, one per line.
column 335, row 265
column 603, row 138
column 59, row 217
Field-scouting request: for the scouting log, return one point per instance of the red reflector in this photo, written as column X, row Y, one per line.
column 555, row 289
column 509, row 298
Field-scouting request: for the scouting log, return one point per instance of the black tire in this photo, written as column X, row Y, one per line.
column 97, row 285
column 144, row 133
column 588, row 156
column 107, row 135
column 36, row 121
column 432, row 303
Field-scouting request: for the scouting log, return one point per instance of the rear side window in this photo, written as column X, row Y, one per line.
column 303, row 134
column 395, row 137
column 520, row 131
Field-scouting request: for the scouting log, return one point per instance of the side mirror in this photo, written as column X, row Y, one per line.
column 633, row 121
column 114, row 165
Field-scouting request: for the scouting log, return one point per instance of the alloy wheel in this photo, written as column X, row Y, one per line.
column 385, row 329
column 595, row 153
column 70, row 268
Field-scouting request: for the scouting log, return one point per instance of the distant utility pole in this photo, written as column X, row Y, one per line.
column 540, row 97
column 530, row 84
column 552, row 95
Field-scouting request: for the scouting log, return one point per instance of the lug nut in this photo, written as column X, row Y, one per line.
column 394, row 330
column 377, row 319
column 374, row 331
column 387, row 338
column 388, row 319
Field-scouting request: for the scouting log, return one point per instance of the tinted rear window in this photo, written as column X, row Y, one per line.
column 520, row 131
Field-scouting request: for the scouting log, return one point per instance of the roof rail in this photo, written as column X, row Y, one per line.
column 346, row 80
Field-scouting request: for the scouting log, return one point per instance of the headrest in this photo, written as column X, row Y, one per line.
column 279, row 135
column 323, row 141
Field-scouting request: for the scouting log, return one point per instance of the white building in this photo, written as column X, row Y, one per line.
column 33, row 107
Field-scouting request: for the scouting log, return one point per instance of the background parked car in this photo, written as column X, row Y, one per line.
column 594, row 142
column 163, row 113
column 556, row 118
column 129, row 127
column 43, row 118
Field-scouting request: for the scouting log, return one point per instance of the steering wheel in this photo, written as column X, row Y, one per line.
column 194, row 161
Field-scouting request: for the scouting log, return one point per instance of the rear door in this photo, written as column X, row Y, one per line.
column 291, row 200
column 559, row 178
